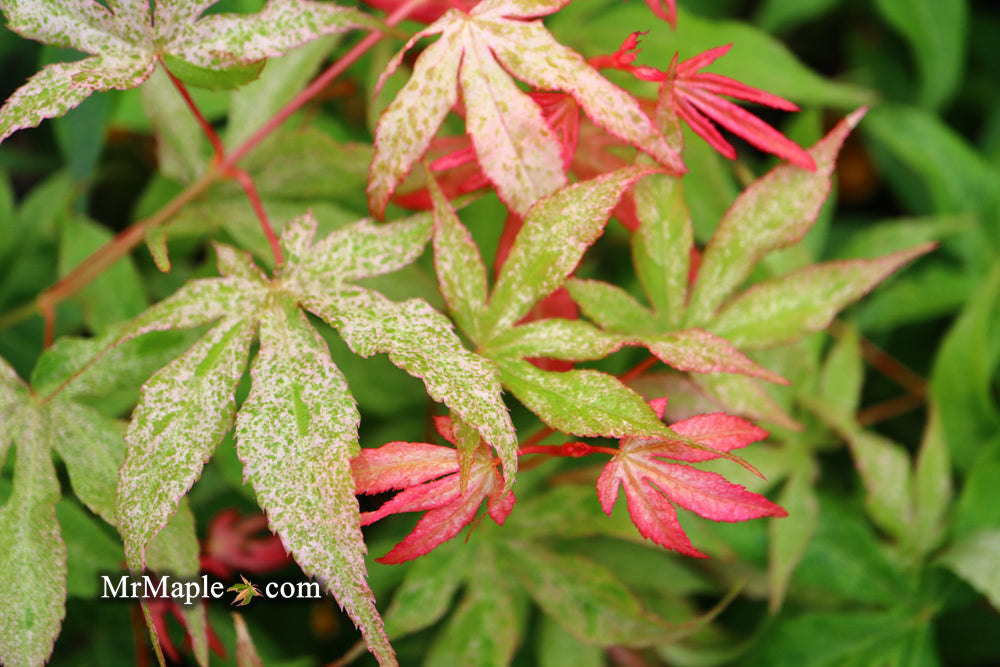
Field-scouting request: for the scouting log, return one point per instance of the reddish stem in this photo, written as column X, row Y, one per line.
column 570, row 449
column 639, row 369
column 206, row 127
column 251, row 192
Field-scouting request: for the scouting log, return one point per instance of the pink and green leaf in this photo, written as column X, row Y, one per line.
column 554, row 338
column 698, row 351
column 612, row 307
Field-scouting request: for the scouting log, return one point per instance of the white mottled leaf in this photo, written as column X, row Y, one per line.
column 184, row 411
column 13, row 393
column 516, row 148
column 460, row 269
column 785, row 308
column 412, row 119
column 296, row 434
column 174, row 16
column 556, row 233
column 222, row 40
column 421, row 341
column 698, row 351
column 774, row 212
column 78, row 24
column 570, row 340
column 92, row 447
column 32, row 554
column 58, row 88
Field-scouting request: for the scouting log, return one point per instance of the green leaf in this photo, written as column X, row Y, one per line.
column 557, row 648
column 556, row 233
column 774, row 212
column 460, row 269
column 296, row 434
column 977, row 508
column 785, row 308
column 936, row 32
column 744, row 396
column 662, row 245
column 92, row 448
column 13, row 394
column 184, row 412
column 884, row 467
column 843, row 374
column 485, row 629
column 91, row 551
column 962, row 377
column 976, row 559
column 182, row 149
column 780, row 16
column 581, row 402
column 932, row 487
column 790, row 536
column 612, row 307
column 225, row 78
column 32, row 554
column 427, row 590
column 420, row 340
column 116, row 294
column 554, row 338
column 583, row 597
column 698, row 351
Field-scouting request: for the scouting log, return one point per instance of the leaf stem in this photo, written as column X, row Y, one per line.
column 206, row 127
column 251, row 192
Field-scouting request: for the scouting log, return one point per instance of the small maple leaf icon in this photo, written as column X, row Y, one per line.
column 244, row 592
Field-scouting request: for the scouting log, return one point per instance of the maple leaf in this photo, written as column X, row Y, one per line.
column 652, row 484
column 245, row 592
column 694, row 97
column 124, row 43
column 515, row 146
column 428, row 478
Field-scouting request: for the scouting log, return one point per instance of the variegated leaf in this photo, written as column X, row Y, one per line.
column 83, row 25
column 421, row 341
column 698, row 351
column 805, row 301
column 611, row 307
column 774, row 212
column 184, row 412
column 32, row 553
column 570, row 340
column 556, row 233
column 296, row 434
column 13, row 393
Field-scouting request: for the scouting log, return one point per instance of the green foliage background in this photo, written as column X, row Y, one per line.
column 891, row 553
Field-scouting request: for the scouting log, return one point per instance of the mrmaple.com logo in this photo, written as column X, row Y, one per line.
column 186, row 591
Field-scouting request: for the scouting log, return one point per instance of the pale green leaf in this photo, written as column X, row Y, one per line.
column 460, row 269
column 413, row 118
column 236, row 263
column 32, row 554
column 612, row 307
column 156, row 243
column 698, row 351
column 789, row 537
column 557, row 648
column 58, row 88
column 556, row 233
column 427, row 590
column 420, row 340
column 932, row 487
column 936, row 31
column 246, row 652
column 182, row 149
column 785, row 308
column 744, row 396
column 554, row 338
column 581, row 402
column 885, row 470
column 515, row 147
column 774, row 212
column 222, row 40
column 582, row 596
column 13, row 393
column 485, row 629
column 91, row 549
column 296, row 434
column 661, row 247
column 92, row 447
column 976, row 559
column 843, row 373
column 184, row 412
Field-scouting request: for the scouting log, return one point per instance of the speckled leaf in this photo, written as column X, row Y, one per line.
column 582, row 596
column 885, row 470
column 91, row 446
column 570, row 340
column 530, row 52
column 222, row 40
column 581, row 402
column 13, row 393
column 515, row 146
column 556, row 233
column 32, row 554
column 183, row 413
column 774, row 212
column 361, row 250
column 420, row 340
column 612, row 307
column 460, row 269
column 412, row 119
column 661, row 247
column 786, row 308
column 296, row 434
column 698, row 351
column 58, row 88
column 78, row 24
